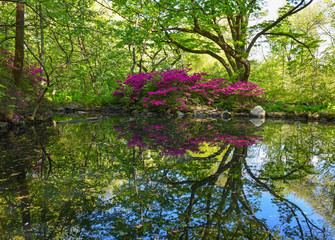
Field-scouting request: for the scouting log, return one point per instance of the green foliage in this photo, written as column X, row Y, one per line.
column 300, row 73
column 76, row 44
column 2, row 91
column 299, row 107
column 85, row 47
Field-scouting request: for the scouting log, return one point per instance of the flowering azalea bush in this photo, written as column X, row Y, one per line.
column 177, row 138
column 176, row 89
column 32, row 84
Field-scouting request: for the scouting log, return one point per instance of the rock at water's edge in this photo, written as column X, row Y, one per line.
column 72, row 107
column 275, row 114
column 180, row 114
column 258, row 112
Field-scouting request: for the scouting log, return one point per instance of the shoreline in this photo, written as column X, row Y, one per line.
column 97, row 113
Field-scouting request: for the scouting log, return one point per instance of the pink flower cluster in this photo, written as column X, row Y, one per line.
column 177, row 89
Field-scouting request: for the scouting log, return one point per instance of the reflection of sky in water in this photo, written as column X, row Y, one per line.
column 256, row 159
column 270, row 212
column 267, row 210
column 165, row 213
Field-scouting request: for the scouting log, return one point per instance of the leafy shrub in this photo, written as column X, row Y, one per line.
column 176, row 89
column 299, row 107
column 33, row 82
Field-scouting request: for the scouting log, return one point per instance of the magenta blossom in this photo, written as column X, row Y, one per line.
column 177, row 89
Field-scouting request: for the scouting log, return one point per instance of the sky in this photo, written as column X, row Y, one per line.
column 273, row 6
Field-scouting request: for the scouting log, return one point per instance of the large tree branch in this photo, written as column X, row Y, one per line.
column 220, row 35
column 294, row 10
column 5, row 39
column 179, row 29
column 228, row 50
column 53, row 33
column 295, row 39
column 214, row 55
column 221, row 43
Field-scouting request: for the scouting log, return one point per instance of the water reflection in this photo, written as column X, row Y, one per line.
column 177, row 138
column 132, row 179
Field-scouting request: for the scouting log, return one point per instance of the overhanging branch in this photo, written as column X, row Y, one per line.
column 290, row 36
column 294, row 10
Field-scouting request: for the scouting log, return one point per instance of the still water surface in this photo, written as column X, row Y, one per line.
column 176, row 179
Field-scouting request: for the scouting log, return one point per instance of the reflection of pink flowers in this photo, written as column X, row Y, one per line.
column 178, row 138
column 156, row 127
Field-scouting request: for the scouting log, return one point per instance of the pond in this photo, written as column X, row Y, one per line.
column 168, row 179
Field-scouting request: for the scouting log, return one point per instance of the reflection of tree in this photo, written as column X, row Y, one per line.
column 232, row 208
column 291, row 209
column 214, row 212
column 312, row 189
column 91, row 185
column 46, row 184
column 18, row 150
column 305, row 154
column 227, row 211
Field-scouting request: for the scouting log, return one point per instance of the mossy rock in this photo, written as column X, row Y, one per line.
column 303, row 114
column 276, row 114
column 291, row 114
column 313, row 115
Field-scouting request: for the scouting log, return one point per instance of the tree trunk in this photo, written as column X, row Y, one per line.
column 19, row 45
column 42, row 34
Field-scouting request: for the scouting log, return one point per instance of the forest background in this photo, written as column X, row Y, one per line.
column 59, row 52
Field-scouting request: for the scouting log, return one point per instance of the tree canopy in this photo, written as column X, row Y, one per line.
column 84, row 47
column 221, row 29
